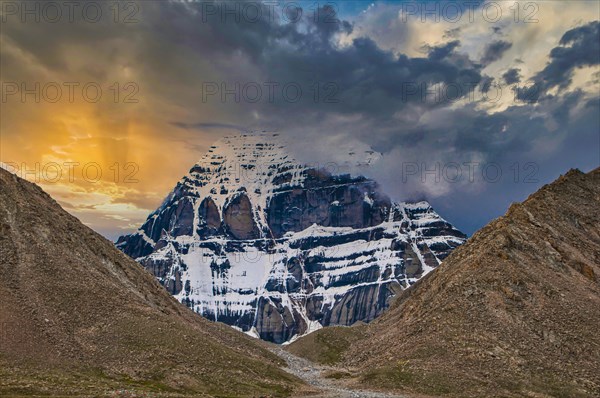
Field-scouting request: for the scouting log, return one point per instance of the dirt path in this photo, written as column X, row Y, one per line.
column 313, row 375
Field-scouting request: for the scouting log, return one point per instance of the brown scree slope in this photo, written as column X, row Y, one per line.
column 78, row 317
column 513, row 312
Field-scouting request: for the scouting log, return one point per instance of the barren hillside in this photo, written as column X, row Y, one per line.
column 513, row 312
column 81, row 318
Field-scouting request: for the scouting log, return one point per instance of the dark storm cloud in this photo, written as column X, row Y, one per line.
column 579, row 148
column 380, row 98
column 579, row 47
column 361, row 77
column 179, row 47
column 494, row 51
column 514, row 141
column 441, row 52
column 486, row 83
column 512, row 76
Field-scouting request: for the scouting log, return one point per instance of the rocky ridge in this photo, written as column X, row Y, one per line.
column 513, row 312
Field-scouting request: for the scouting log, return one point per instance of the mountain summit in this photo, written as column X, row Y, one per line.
column 254, row 239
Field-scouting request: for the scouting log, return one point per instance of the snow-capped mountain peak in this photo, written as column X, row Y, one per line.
column 252, row 238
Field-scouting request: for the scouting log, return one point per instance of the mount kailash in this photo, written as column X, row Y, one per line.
column 278, row 249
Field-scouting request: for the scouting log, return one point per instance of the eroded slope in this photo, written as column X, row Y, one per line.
column 80, row 317
column 513, row 312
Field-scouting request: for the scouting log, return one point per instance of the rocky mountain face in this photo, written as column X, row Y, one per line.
column 277, row 249
column 514, row 312
column 80, row 318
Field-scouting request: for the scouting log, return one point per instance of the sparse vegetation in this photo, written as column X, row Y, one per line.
column 402, row 377
column 337, row 375
column 328, row 346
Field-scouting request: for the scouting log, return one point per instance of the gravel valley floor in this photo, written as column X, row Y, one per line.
column 315, row 375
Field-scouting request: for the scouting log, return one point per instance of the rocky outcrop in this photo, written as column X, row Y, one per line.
column 255, row 240
column 338, row 201
column 276, row 322
column 209, row 217
column 238, row 217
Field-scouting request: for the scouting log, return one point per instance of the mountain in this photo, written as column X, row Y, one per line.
column 513, row 312
column 256, row 240
column 80, row 318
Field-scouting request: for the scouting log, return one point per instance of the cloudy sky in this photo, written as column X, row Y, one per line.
column 473, row 105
